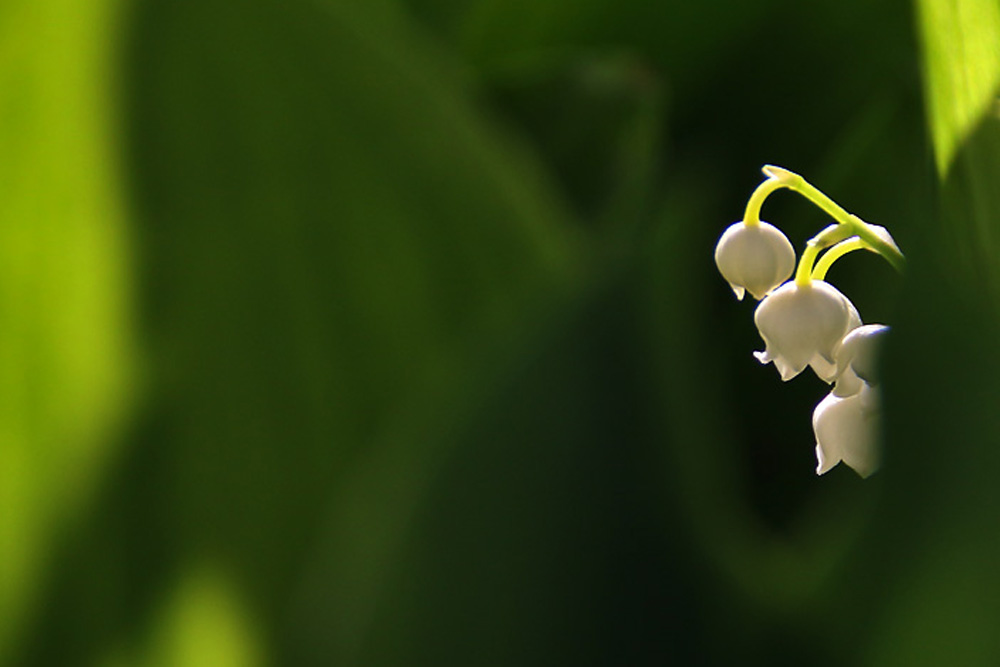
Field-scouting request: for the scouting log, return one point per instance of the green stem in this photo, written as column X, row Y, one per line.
column 875, row 242
column 751, row 217
column 793, row 181
column 826, row 238
column 856, row 225
column 835, row 253
column 803, row 273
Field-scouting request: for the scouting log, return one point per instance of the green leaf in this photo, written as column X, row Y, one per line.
column 933, row 546
column 65, row 322
column 961, row 51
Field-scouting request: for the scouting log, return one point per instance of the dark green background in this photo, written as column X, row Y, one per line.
column 429, row 363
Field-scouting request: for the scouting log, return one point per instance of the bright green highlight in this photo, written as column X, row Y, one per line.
column 961, row 50
column 205, row 623
column 66, row 340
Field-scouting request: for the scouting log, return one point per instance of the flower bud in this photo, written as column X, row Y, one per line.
column 857, row 359
column 884, row 234
column 803, row 326
column 847, row 429
column 754, row 258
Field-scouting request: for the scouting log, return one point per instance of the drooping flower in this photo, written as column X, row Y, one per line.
column 755, row 258
column 847, row 429
column 803, row 325
column 857, row 359
column 846, row 422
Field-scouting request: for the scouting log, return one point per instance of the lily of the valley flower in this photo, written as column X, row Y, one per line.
column 857, row 359
column 756, row 258
column 808, row 322
column 803, row 325
column 846, row 422
column 847, row 429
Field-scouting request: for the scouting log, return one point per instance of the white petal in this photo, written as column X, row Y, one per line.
column 804, row 326
column 824, row 462
column 847, row 429
column 859, row 351
column 757, row 258
column 854, row 320
column 827, row 455
column 786, row 369
column 848, row 383
column 825, row 369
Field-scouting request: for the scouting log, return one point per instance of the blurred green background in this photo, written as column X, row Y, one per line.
column 388, row 333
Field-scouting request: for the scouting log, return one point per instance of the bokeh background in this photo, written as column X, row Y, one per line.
column 388, row 333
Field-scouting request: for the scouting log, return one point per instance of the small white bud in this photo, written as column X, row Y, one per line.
column 754, row 258
column 857, row 359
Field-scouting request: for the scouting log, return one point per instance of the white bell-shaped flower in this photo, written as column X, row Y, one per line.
column 803, row 326
column 847, row 429
column 857, row 359
column 754, row 258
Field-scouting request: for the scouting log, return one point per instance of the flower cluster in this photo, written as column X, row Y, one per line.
column 806, row 321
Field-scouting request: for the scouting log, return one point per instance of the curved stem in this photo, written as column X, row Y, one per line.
column 858, row 227
column 835, row 253
column 793, row 181
column 751, row 216
column 826, row 238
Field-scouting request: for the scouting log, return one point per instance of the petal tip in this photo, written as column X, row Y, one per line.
column 823, row 466
column 786, row 370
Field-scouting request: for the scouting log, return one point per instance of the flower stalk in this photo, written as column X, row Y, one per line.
column 778, row 178
column 751, row 216
column 835, row 253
